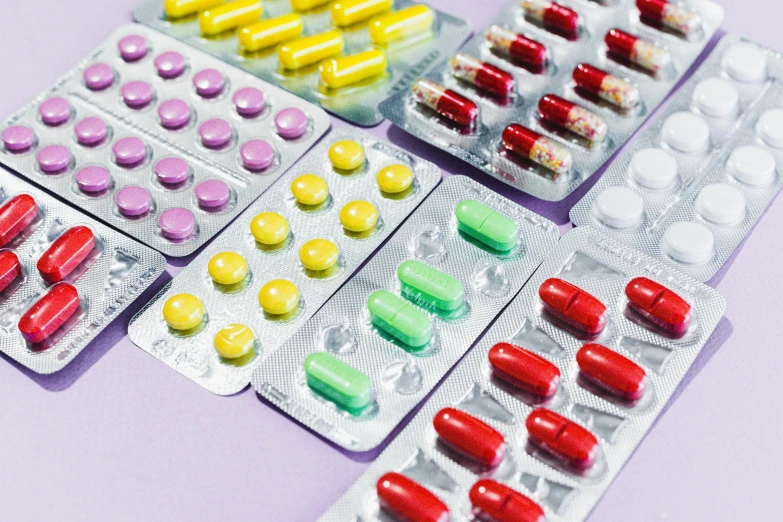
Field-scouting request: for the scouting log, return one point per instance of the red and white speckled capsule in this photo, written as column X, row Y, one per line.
column 669, row 15
column 543, row 151
column 611, row 371
column 525, row 370
column 552, row 16
column 658, row 304
column 447, row 103
column 497, row 502
column 637, row 51
column 470, row 437
column 49, row 313
column 15, row 215
column 409, row 500
column 65, row 253
column 10, row 268
column 562, row 438
column 529, row 52
column 573, row 305
column 607, row 87
column 484, row 76
column 571, row 116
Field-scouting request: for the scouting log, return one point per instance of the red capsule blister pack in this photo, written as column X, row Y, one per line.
column 540, row 416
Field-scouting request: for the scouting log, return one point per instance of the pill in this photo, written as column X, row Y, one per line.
column 358, row 216
column 618, row 207
column 15, row 215
column 133, row 201
column 349, row 12
column 98, row 76
column 745, row 62
column 401, row 24
column 716, row 97
column 552, row 16
column 278, row 297
column 400, row 319
column 65, row 253
column 688, row 242
column 129, row 152
column 348, row 70
column 346, row 155
column 227, row 268
column 234, row 341
column 170, row 64
column 215, row 133
column 564, row 439
column 309, row 189
column 637, row 51
column 212, row 194
column 319, row 254
column 524, row 370
column 136, row 94
column 269, row 228
column 339, row 382
column 611, row 371
column 571, row 116
column 669, row 15
column 447, row 103
column 485, row 77
column 132, row 47
column 174, row 114
column 658, row 304
column 653, row 168
column 172, row 171
column 608, row 87
column 770, row 127
column 55, row 111
column 53, row 159
column 394, row 179
column 499, row 503
column 209, row 83
column 573, row 305
column 483, row 224
column 90, row 131
column 407, row 500
column 308, row 50
column 10, row 268
column 93, row 179
column 752, row 165
column 291, row 123
column 470, row 437
column 222, row 18
column 183, row 312
column 180, row 8
column 306, row 5
column 176, row 223
column 49, row 313
column 249, row 101
column 540, row 150
column 686, row 132
column 720, row 203
column 18, row 138
column 437, row 289
column 520, row 48
column 267, row 33
column 257, row 155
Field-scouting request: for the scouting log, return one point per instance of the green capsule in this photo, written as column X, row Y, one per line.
column 422, row 282
column 486, row 226
column 399, row 318
column 339, row 382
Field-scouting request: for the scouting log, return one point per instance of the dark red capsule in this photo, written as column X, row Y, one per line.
column 555, row 109
column 10, row 268
column 15, row 215
column 621, row 43
column 470, row 437
column 49, row 313
column 449, row 104
column 525, row 50
column 658, row 304
column 564, row 439
column 669, row 15
column 573, row 305
column 652, row 9
column 408, row 500
column 524, row 370
column 553, row 16
column 589, row 78
column 499, row 503
column 65, row 253
column 611, row 371
column 484, row 76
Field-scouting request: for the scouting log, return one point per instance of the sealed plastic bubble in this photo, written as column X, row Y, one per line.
column 408, row 315
column 158, row 139
column 542, row 97
column 697, row 179
column 345, row 56
column 261, row 280
column 536, row 422
column 63, row 276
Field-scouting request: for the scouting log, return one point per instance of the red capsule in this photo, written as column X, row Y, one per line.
column 669, row 15
column 552, row 16
column 571, row 116
column 573, row 305
column 408, row 500
column 500, row 503
column 65, row 254
column 531, row 145
column 15, row 216
column 637, row 51
column 447, row 103
column 10, row 268
column 484, row 76
column 525, row 370
column 529, row 52
column 658, row 304
column 607, row 87
column 611, row 371
column 568, row 441
column 470, row 437
column 49, row 313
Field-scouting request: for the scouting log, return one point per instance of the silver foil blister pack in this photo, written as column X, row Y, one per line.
column 399, row 375
column 357, row 102
column 97, row 128
column 695, row 182
column 193, row 354
column 603, row 267
column 564, row 158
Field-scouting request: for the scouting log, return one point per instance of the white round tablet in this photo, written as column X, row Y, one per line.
column 770, row 127
column 688, row 242
column 716, row 97
column 721, row 204
column 618, row 207
column 745, row 62
column 686, row 132
column 752, row 165
column 654, row 168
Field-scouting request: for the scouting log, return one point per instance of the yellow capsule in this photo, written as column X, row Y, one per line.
column 309, row 189
column 183, row 311
column 310, row 49
column 394, row 178
column 269, row 228
column 349, row 12
column 278, row 297
column 401, row 24
column 270, row 32
column 234, row 341
column 229, row 16
column 346, row 155
column 306, row 5
column 358, row 216
column 227, row 268
column 180, row 8
column 339, row 72
column 319, row 254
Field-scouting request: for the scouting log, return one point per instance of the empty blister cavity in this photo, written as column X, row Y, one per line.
column 533, row 338
column 552, row 494
column 480, row 402
column 651, row 355
column 490, row 278
column 337, row 337
column 404, row 377
column 582, row 265
column 721, row 204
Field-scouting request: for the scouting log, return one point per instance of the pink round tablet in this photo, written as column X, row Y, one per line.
column 55, row 111
column 18, row 138
column 291, row 123
column 133, row 201
column 136, row 94
column 215, row 133
column 257, row 155
column 177, row 223
column 90, row 130
column 53, row 158
column 249, row 101
column 209, row 82
column 170, row 64
column 174, row 114
column 98, row 76
column 172, row 171
column 212, row 193
column 93, row 179
column 132, row 47
column 129, row 151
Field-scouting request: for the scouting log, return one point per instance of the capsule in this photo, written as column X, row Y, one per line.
column 65, row 253
column 400, row 319
column 470, row 437
column 401, row 24
column 606, row 86
column 310, row 49
column 229, row 16
column 573, row 305
column 306, row 5
column 339, row 72
column 572, row 117
column 564, row 439
column 349, row 12
column 49, row 313
column 267, row 33
column 611, row 371
column 637, row 51
column 180, row 8
column 669, row 15
column 499, row 503
column 408, row 500
column 658, row 304
column 524, row 370
column 483, row 224
column 422, row 282
column 484, row 76
column 520, row 48
column 552, row 16
column 15, row 215
column 10, row 268
column 336, row 380
column 445, row 102
column 538, row 149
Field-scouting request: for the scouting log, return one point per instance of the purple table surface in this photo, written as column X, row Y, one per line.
column 119, row 436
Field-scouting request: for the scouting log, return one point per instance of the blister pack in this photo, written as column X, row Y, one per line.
column 263, row 277
column 158, row 139
column 695, row 182
column 345, row 56
column 547, row 93
column 376, row 348
column 63, row 276
column 541, row 415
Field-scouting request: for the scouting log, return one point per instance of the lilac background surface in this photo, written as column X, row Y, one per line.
column 119, row 436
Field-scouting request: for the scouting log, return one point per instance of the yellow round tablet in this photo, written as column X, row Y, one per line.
column 394, row 178
column 234, row 340
column 278, row 296
column 319, row 254
column 183, row 311
column 346, row 155
column 269, row 228
column 359, row 216
column 227, row 268
column 309, row 189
